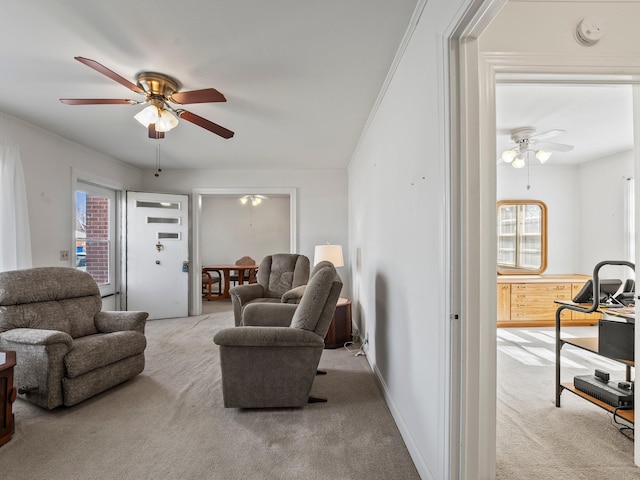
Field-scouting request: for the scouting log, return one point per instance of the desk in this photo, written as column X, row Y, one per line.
column 226, row 273
column 591, row 344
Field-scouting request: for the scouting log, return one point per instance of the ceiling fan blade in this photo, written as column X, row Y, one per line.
column 548, row 134
column 112, row 75
column 204, row 123
column 153, row 133
column 551, row 146
column 206, row 95
column 97, row 101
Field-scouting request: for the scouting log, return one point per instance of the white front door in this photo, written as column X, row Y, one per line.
column 157, row 254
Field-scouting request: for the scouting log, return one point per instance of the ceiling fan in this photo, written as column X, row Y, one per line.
column 159, row 90
column 254, row 199
column 527, row 140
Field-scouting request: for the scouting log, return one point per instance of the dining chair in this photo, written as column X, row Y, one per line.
column 207, row 283
column 248, row 274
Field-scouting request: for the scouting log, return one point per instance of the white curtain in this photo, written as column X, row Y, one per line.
column 15, row 239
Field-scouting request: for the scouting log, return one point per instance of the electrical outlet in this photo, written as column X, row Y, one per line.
column 64, row 255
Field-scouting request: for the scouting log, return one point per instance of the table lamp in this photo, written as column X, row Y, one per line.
column 331, row 253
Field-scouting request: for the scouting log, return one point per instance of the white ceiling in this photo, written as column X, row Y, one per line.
column 300, row 76
column 598, row 119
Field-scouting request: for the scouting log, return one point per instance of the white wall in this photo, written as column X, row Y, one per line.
column 321, row 200
column 48, row 161
column 230, row 230
column 603, row 185
column 559, row 188
column 398, row 230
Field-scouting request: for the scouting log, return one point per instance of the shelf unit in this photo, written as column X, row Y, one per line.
column 589, row 344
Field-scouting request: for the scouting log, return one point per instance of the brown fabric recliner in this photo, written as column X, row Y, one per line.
column 266, row 366
column 277, row 274
column 67, row 348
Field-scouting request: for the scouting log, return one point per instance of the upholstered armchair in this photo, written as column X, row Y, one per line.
column 277, row 274
column 67, row 348
column 267, row 366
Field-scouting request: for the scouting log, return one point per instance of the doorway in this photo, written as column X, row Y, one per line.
column 248, row 218
column 474, row 145
column 526, row 69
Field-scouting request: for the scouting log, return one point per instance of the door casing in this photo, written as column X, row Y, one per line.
column 195, row 304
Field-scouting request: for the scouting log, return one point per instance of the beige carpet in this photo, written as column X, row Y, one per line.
column 536, row 440
column 169, row 423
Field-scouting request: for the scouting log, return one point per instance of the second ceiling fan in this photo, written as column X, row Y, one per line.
column 527, row 140
column 160, row 91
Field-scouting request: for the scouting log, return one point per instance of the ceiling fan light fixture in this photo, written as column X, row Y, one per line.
column 254, row 199
column 518, row 162
column 508, row 156
column 166, row 121
column 147, row 115
column 163, row 119
column 543, row 155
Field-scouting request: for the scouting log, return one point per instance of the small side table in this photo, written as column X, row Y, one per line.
column 340, row 329
column 7, row 395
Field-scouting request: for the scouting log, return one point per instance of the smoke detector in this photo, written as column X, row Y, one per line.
column 589, row 31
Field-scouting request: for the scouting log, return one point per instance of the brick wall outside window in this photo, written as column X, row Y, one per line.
column 97, row 246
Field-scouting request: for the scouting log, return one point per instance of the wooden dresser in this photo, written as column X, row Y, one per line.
column 528, row 300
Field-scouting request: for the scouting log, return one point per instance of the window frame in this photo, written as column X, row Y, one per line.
column 87, row 186
column 508, row 270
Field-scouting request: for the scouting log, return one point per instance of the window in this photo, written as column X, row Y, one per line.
column 522, row 237
column 95, row 233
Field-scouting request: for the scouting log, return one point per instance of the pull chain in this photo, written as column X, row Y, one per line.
column 528, row 162
column 158, row 169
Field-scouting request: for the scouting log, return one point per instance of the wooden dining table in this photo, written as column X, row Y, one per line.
column 226, row 270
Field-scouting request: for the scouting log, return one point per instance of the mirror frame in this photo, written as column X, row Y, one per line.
column 543, row 242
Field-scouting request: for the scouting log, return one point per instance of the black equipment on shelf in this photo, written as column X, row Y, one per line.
column 608, row 392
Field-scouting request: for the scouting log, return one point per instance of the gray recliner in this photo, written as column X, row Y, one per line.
column 67, row 348
column 267, row 366
column 277, row 274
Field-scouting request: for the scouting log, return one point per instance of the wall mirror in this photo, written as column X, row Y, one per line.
column 522, row 237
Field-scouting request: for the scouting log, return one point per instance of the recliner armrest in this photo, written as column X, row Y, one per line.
column 247, row 292
column 267, row 337
column 268, row 314
column 35, row 336
column 294, row 295
column 108, row 322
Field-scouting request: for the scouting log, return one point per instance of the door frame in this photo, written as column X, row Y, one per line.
column 119, row 281
column 474, row 131
column 197, row 194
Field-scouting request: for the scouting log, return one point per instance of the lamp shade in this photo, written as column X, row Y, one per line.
column 331, row 253
column 518, row 162
column 508, row 156
column 543, row 156
column 163, row 119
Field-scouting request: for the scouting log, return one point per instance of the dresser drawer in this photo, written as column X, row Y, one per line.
column 532, row 301
column 541, row 288
column 537, row 313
